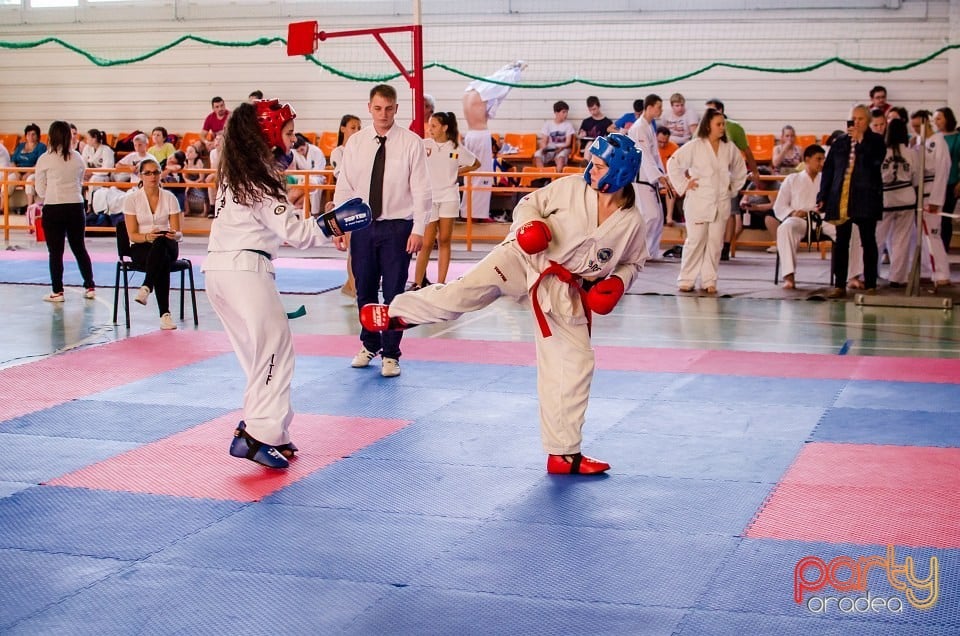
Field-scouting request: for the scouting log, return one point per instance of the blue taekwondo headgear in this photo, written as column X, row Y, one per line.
column 622, row 158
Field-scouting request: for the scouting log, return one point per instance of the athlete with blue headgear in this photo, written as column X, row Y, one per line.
column 575, row 246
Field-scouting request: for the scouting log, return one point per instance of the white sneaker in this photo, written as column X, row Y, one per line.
column 390, row 368
column 54, row 298
column 363, row 358
column 143, row 294
column 166, row 321
column 90, row 294
column 772, row 249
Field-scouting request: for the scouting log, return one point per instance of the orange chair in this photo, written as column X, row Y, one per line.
column 806, row 140
column 189, row 138
column 526, row 144
column 111, row 139
column 762, row 147
column 311, row 137
column 527, row 182
column 327, row 142
column 10, row 140
column 572, row 170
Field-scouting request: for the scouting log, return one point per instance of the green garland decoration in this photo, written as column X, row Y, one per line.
column 267, row 41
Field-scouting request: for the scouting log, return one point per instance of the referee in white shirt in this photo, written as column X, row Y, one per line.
column 381, row 253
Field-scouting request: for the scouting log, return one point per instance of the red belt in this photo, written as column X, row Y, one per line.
column 561, row 272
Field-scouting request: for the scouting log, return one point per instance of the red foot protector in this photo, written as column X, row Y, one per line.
column 195, row 463
column 374, row 317
column 578, row 464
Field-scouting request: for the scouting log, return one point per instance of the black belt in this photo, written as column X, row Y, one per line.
column 649, row 185
column 260, row 252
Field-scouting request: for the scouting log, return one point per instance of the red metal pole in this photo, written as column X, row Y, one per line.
column 416, row 82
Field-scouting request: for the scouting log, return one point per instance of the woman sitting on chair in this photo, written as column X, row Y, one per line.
column 152, row 217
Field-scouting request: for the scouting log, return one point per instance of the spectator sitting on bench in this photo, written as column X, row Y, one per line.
column 787, row 155
column 794, row 208
column 161, row 148
column 760, row 209
column 25, row 155
column 556, row 138
column 129, row 162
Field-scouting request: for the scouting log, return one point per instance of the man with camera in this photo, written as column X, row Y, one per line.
column 851, row 193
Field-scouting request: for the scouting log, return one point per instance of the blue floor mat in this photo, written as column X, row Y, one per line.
column 35, row 580
column 886, row 426
column 415, row 611
column 289, row 281
column 204, row 601
column 105, row 524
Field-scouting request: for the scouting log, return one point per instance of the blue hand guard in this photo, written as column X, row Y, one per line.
column 348, row 217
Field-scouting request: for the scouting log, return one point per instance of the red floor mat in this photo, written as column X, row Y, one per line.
column 195, row 463
column 866, row 494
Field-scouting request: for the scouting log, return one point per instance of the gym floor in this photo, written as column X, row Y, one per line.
column 779, row 466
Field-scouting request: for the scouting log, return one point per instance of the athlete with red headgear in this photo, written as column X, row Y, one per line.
column 576, row 245
column 253, row 219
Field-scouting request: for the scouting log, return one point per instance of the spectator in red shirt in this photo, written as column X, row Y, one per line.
column 878, row 99
column 215, row 121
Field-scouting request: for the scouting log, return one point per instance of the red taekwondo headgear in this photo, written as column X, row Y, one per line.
column 272, row 116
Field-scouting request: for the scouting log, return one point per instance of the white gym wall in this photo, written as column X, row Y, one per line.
column 613, row 42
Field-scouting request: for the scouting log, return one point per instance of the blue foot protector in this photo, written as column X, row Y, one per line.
column 248, row 448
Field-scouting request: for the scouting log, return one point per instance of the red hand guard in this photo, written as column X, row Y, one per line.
column 605, row 295
column 533, row 237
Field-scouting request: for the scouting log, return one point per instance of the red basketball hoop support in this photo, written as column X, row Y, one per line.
column 302, row 39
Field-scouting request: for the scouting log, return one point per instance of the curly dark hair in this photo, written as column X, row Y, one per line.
column 247, row 164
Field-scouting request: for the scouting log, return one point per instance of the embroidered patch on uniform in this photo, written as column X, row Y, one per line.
column 500, row 274
column 280, row 209
column 605, row 255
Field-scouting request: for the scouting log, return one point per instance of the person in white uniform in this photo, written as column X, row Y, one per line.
column 796, row 201
column 349, row 124
column 710, row 171
column 97, row 154
column 446, row 161
column 253, row 218
column 481, row 100
column 934, row 263
column 652, row 175
column 574, row 248
column 307, row 156
column 897, row 229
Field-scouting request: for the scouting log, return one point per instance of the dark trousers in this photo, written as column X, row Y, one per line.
column 380, row 261
column 156, row 259
column 66, row 221
column 841, row 252
column 946, row 223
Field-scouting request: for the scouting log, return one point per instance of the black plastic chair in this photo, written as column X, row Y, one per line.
column 125, row 265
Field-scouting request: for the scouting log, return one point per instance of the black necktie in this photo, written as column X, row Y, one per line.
column 376, row 178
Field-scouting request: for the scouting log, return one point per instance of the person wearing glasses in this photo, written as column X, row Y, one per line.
column 152, row 215
column 59, row 175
